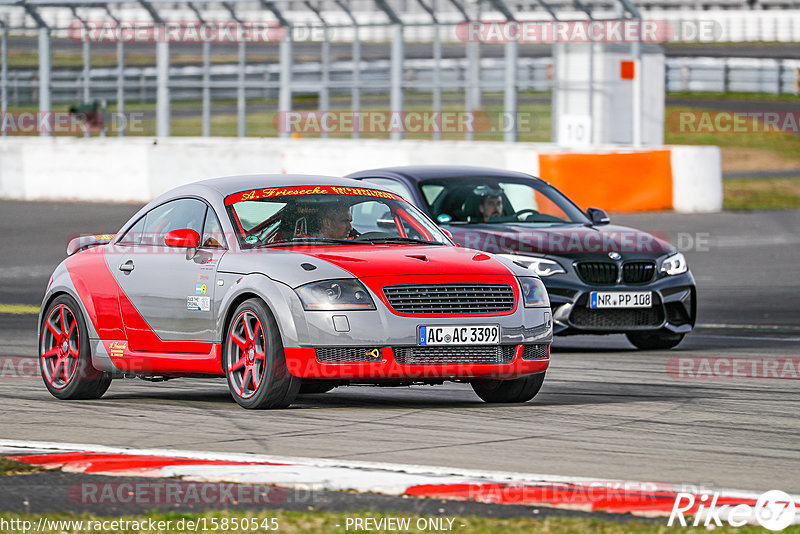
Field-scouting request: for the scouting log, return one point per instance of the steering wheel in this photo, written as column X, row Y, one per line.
column 526, row 210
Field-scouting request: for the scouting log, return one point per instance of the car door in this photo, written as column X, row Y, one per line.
column 167, row 293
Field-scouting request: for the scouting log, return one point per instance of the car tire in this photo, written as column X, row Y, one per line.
column 316, row 386
column 65, row 356
column 254, row 361
column 508, row 391
column 654, row 341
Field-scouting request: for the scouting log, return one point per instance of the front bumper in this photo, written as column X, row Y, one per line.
column 305, row 363
column 674, row 307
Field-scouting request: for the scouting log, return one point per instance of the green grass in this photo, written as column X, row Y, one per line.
column 313, row 522
column 761, row 194
column 19, row 309
column 12, row 467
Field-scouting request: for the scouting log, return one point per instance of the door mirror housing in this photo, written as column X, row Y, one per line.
column 182, row 238
column 597, row 216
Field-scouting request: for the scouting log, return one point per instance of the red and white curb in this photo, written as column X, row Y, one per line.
column 587, row 494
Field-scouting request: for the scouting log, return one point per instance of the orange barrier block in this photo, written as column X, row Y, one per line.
column 617, row 181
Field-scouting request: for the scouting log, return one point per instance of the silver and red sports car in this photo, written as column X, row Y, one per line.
column 290, row 284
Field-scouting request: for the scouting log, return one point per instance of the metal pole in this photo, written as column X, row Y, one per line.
column 206, row 113
column 637, row 94
column 324, row 90
column 45, row 104
column 396, row 95
column 162, row 88
column 554, row 110
column 437, row 77
column 355, row 93
column 285, row 95
column 3, row 78
column 241, row 111
column 121, row 121
column 591, row 93
column 510, row 95
column 87, row 71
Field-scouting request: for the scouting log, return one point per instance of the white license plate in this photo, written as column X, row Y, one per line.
column 476, row 334
column 621, row 299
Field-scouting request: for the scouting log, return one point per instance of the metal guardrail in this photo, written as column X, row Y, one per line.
column 769, row 76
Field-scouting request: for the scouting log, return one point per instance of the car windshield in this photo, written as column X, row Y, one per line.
column 326, row 215
column 499, row 200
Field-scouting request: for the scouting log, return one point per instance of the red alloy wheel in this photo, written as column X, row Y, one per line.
column 246, row 354
column 61, row 345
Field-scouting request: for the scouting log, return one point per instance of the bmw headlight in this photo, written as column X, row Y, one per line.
column 534, row 293
column 675, row 264
column 540, row 266
column 335, row 295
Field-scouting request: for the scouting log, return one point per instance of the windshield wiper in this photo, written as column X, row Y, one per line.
column 297, row 241
column 400, row 240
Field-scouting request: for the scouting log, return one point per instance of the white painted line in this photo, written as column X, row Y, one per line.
column 364, row 472
column 776, row 327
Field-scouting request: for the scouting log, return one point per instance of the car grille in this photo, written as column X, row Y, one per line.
column 616, row 318
column 346, row 355
column 638, row 272
column 450, row 298
column 454, row 354
column 534, row 352
column 595, row 272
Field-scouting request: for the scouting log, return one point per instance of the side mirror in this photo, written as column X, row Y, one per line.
column 447, row 232
column 182, row 238
column 598, row 216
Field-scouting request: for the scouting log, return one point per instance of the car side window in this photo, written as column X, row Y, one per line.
column 134, row 234
column 213, row 237
column 392, row 185
column 181, row 213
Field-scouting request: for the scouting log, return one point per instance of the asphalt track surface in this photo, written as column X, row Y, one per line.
column 605, row 410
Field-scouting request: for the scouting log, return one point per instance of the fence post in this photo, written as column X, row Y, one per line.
column 45, row 101
column 510, row 130
column 398, row 52
column 3, row 78
column 162, row 88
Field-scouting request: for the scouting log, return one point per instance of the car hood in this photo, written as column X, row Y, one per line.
column 389, row 260
column 562, row 240
column 300, row 265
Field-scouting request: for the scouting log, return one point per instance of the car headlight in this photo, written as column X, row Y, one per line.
column 534, row 293
column 540, row 266
column 335, row 295
column 675, row 264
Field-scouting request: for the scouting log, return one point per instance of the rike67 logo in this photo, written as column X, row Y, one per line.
column 774, row 510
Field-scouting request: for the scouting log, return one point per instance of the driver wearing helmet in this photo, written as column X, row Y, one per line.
column 490, row 202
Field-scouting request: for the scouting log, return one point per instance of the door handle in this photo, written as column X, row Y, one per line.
column 127, row 266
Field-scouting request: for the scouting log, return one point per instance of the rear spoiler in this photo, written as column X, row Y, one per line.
column 83, row 242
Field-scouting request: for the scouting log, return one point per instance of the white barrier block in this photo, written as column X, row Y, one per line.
column 696, row 179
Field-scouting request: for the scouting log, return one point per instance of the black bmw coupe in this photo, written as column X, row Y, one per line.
column 602, row 278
